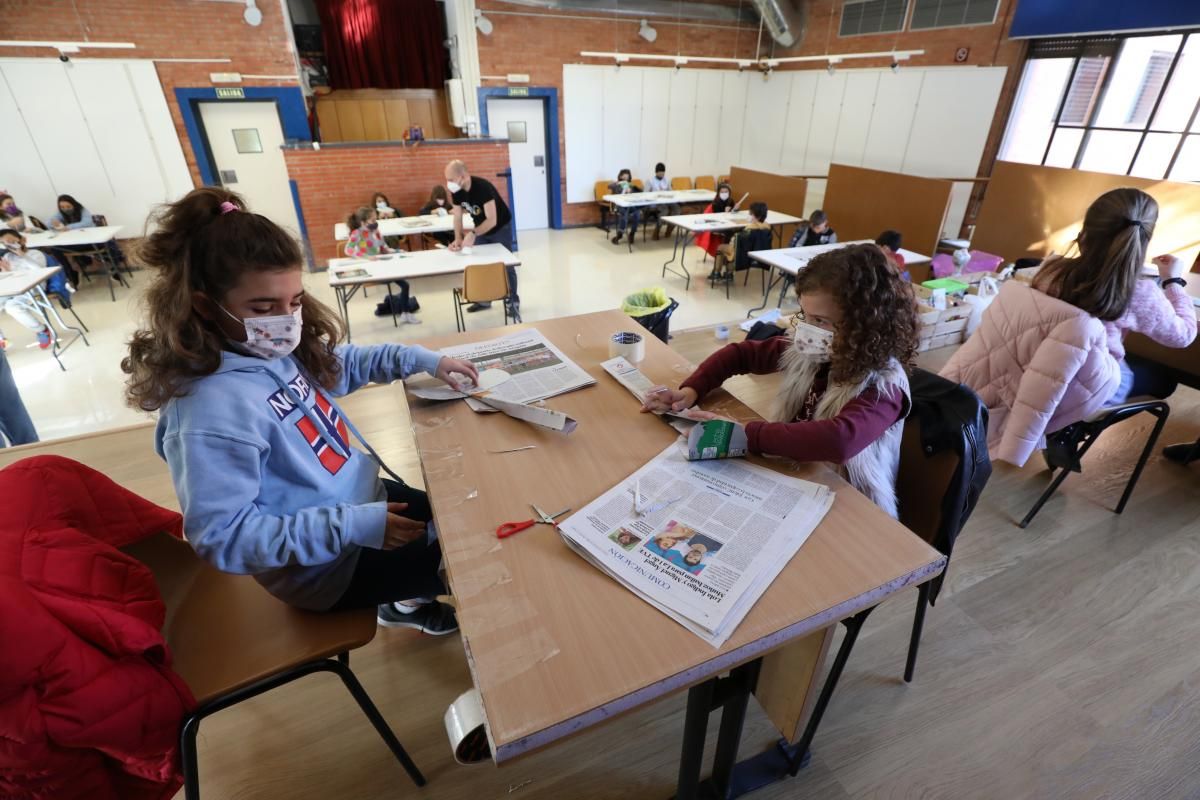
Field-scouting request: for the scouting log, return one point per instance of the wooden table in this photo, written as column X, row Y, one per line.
column 790, row 260
column 13, row 284
column 554, row 645
column 688, row 225
column 410, row 226
column 407, row 266
column 96, row 238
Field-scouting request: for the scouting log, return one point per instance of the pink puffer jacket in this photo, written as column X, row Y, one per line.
column 1038, row 364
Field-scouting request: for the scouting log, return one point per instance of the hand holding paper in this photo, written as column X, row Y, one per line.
column 448, row 365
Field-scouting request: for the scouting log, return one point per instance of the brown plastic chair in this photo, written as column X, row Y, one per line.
column 600, row 190
column 639, row 184
column 706, row 182
column 681, row 184
column 725, row 179
column 232, row 641
column 482, row 283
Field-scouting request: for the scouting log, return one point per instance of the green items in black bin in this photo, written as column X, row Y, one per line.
column 716, row 438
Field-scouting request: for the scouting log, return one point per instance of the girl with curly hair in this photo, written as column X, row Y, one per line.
column 243, row 367
column 845, row 393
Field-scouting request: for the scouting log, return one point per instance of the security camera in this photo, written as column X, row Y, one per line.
column 63, row 57
column 895, row 66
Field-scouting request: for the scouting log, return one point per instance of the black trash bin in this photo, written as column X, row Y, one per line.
column 652, row 309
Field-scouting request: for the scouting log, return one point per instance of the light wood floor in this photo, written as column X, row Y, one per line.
column 1060, row 662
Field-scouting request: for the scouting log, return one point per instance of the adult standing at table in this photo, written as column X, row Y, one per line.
column 493, row 223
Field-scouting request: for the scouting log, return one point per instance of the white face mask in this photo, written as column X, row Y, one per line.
column 813, row 342
column 724, row 195
column 271, row 337
column 440, row 202
column 380, row 204
column 454, row 188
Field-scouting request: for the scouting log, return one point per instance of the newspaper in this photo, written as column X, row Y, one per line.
column 640, row 387
column 699, row 540
column 538, row 368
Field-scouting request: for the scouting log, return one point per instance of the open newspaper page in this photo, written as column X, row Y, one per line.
column 538, row 368
column 699, row 540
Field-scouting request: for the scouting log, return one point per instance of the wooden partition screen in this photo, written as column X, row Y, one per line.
column 383, row 115
column 863, row 203
column 781, row 193
column 1029, row 210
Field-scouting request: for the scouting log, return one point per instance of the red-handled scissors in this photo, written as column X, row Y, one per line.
column 509, row 528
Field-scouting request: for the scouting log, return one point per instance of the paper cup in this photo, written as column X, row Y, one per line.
column 629, row 345
column 464, row 726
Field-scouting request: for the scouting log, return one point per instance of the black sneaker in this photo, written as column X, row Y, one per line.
column 435, row 619
column 471, row 309
column 1184, row 453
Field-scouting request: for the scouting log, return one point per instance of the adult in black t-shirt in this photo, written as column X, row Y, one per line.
column 493, row 223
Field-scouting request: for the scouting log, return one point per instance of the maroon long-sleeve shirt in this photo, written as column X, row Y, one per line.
column 836, row 440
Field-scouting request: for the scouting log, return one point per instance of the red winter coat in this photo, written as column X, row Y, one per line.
column 89, row 707
column 708, row 241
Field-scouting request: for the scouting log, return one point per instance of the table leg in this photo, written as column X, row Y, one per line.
column 771, row 281
column 46, row 310
column 680, row 249
column 732, row 695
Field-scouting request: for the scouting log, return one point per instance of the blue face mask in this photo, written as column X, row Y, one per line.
column 372, row 226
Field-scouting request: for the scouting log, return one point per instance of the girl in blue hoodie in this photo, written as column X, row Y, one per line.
column 244, row 368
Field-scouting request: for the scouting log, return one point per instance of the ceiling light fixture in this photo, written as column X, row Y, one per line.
column 646, row 32
column 482, row 23
column 765, row 63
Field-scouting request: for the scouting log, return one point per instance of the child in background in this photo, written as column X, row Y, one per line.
column 626, row 217
column 383, row 206
column 724, row 200
column 889, row 243
column 366, row 242
column 439, row 204
column 711, row 241
column 13, row 217
column 22, row 307
column 71, row 215
column 243, row 367
column 845, row 393
column 816, row 231
column 727, row 253
column 661, row 183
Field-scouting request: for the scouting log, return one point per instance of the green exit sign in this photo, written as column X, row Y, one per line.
column 518, row 91
column 230, row 93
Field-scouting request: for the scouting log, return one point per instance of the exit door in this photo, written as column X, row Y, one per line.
column 245, row 139
column 522, row 121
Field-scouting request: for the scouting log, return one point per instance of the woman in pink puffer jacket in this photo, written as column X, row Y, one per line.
column 1052, row 354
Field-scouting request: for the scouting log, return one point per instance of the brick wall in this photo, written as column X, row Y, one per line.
column 335, row 180
column 161, row 29
column 540, row 43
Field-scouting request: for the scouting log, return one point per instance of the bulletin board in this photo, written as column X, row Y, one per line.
column 862, row 203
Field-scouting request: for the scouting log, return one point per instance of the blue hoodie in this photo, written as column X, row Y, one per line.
column 266, row 477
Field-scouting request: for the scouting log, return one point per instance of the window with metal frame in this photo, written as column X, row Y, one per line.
column 872, row 16
column 928, row 14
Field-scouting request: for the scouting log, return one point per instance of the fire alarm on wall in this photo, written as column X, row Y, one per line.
column 960, row 55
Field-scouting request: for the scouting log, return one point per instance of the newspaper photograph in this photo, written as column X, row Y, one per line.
column 699, row 540
column 538, row 368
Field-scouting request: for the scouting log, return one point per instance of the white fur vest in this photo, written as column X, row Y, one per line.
column 873, row 471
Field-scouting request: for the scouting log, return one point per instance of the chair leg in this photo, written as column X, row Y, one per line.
column 1161, row 413
column 381, row 727
column 187, row 755
column 918, row 623
column 1041, row 501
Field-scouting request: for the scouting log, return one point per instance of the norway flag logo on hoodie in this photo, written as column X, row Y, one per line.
column 333, row 426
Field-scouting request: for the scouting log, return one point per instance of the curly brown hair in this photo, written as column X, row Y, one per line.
column 196, row 247
column 879, row 309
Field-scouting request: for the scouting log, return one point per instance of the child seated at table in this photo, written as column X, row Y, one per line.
column 22, row 307
column 727, row 253
column 366, row 242
column 439, row 204
column 626, row 217
column 816, row 231
column 711, row 241
column 889, row 243
column 383, row 206
column 243, row 367
column 845, row 392
column 14, row 218
column 661, row 183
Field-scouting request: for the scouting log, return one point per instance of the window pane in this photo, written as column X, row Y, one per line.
column 872, row 16
column 947, row 13
column 1137, row 80
column 1089, row 75
column 1032, row 119
column 1063, row 148
column 1187, row 166
column 1109, row 151
column 1155, row 155
column 1180, row 97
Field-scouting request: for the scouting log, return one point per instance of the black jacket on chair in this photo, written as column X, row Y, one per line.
column 749, row 241
column 952, row 417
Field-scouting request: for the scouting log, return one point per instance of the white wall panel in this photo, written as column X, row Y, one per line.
column 822, row 130
column 734, row 88
column 708, row 113
column 156, row 116
column 583, row 112
column 622, row 109
column 656, row 96
column 892, row 118
column 854, row 122
column 681, row 124
column 764, row 121
column 798, row 122
column 23, row 175
column 954, row 114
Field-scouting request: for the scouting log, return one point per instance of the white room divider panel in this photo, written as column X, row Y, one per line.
column 923, row 121
column 98, row 129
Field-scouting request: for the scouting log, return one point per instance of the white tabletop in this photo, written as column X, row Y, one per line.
column 420, row 264
column 793, row 259
column 21, row 281
column 407, row 226
column 661, row 198
column 73, row 238
column 729, row 221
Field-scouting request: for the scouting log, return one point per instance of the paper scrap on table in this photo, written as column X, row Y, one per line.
column 543, row 417
column 488, row 379
column 769, row 317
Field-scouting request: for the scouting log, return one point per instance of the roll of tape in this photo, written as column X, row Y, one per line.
column 464, row 726
column 629, row 345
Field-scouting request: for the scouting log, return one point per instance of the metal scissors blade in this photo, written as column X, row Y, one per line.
column 547, row 519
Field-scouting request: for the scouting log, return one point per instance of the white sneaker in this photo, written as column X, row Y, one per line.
column 409, row 319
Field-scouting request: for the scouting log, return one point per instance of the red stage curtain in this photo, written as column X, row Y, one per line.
column 384, row 44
